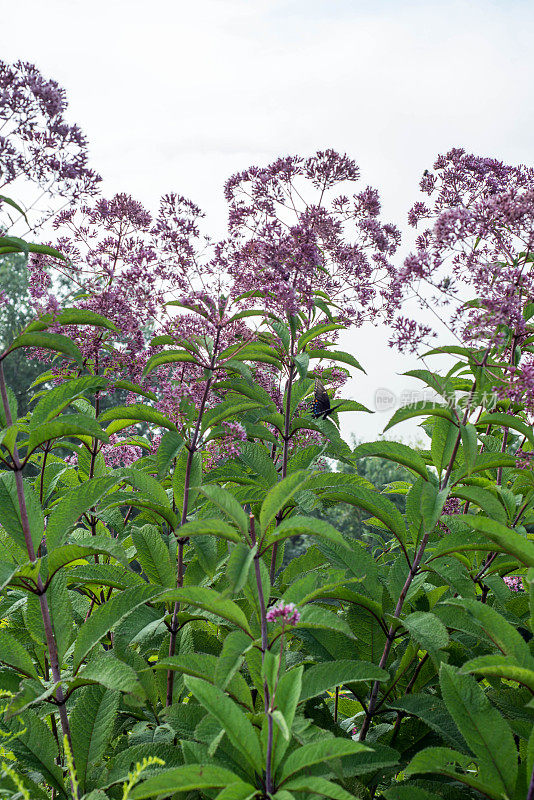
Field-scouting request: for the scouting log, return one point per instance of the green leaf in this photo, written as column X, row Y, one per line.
column 484, row 729
column 226, row 410
column 146, row 484
column 432, row 710
column 320, row 786
column 256, row 457
column 68, row 553
column 327, row 675
column 317, row 330
column 507, row 421
column 442, row 761
column 107, row 616
column 71, row 425
column 137, row 413
column 10, row 516
column 187, row 463
column 502, row 633
column 35, row 748
column 83, row 316
column 377, row 505
column 92, row 723
column 444, row 438
column 211, row 601
column 238, row 566
column 153, row 555
column 235, row 645
column 110, row 673
column 210, row 527
column 227, row 503
column 336, row 355
column 71, row 507
column 15, row 655
column 423, row 407
column 503, row 667
column 302, row 362
column 507, row 540
column 280, row 494
column 14, row 205
column 55, row 400
column 311, row 526
column 317, row 753
column 429, row 632
column 236, row 725
column 393, row 451
column 468, row 433
column 240, row 367
column 170, row 445
column 238, row 791
column 167, row 357
column 187, row 778
column 48, row 341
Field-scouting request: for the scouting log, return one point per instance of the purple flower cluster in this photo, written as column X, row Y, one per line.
column 38, row 146
column 514, row 583
column 478, row 240
column 286, row 611
column 291, row 237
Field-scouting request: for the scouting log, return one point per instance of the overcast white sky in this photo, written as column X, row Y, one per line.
column 179, row 94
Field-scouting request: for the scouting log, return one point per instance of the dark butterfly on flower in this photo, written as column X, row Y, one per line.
column 321, row 402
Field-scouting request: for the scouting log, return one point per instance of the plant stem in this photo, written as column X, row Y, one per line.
column 192, row 449
column 530, row 793
column 264, row 648
column 285, row 454
column 45, row 611
column 391, row 635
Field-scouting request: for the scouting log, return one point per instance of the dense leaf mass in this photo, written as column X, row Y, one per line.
column 206, row 592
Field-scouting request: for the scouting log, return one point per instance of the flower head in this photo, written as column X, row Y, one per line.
column 287, row 611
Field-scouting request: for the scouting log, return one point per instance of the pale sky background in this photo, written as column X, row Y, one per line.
column 176, row 95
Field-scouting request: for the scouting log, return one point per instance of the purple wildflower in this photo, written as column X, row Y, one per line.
column 287, row 611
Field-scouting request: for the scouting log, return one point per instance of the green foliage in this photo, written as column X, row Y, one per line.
column 273, row 624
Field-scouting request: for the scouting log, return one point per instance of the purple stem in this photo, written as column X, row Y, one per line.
column 45, row 611
column 181, row 541
column 264, row 648
column 391, row 635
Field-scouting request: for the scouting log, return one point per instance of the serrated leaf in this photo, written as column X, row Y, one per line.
column 484, row 729
column 235, row 645
column 153, row 555
column 336, row 355
column 48, row 341
column 71, row 507
column 238, row 566
column 15, row 655
column 58, row 398
column 227, row 503
column 137, row 413
column 508, row 540
column 326, row 676
column 187, row 778
column 310, row 526
column 424, row 408
column 442, row 761
column 428, row 631
column 280, row 494
column 92, row 726
column 236, row 725
column 67, row 425
column 317, row 753
column 107, row 616
column 211, row 601
column 394, row 451
column 170, row 445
